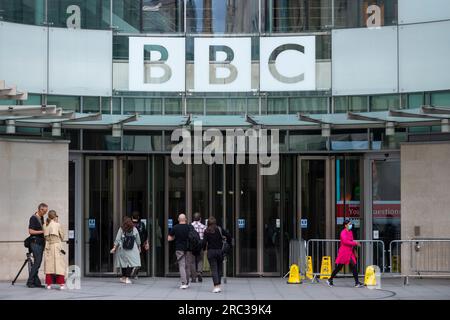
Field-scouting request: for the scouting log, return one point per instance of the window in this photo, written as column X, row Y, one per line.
column 384, row 102
column 68, row 103
column 216, row 106
column 142, row 141
column 142, row 105
column 218, row 16
column 352, row 104
column 195, row 106
column 308, row 105
column 353, row 14
column 173, row 106
column 94, row 14
column 415, row 100
column 100, row 140
column 297, row 15
column 307, row 141
column 276, row 106
column 440, row 99
column 33, row 99
column 91, row 104
column 22, row 11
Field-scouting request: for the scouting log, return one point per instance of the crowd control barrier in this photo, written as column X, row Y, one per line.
column 371, row 252
column 419, row 258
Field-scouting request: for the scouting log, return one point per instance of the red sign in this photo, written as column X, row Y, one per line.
column 386, row 209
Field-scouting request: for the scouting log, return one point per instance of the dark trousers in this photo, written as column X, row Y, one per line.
column 126, row 272
column 215, row 259
column 37, row 250
column 339, row 268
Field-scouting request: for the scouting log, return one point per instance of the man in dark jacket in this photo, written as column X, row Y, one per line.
column 36, row 231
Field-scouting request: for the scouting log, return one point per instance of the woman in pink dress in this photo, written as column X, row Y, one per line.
column 346, row 254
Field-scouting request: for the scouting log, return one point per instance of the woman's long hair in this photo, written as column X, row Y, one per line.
column 212, row 225
column 51, row 215
column 127, row 224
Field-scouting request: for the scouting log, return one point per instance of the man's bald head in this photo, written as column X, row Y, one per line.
column 182, row 218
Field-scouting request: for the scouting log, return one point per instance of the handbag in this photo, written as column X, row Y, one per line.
column 225, row 245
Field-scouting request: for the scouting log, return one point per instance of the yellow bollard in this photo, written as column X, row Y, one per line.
column 294, row 275
column 309, row 268
column 325, row 268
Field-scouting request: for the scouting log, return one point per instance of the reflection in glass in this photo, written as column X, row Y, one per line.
column 159, row 240
column 176, row 204
column 68, row 103
column 135, row 199
column 272, row 223
column 200, row 194
column 297, row 15
column 218, row 16
column 348, row 195
column 313, row 198
column 386, row 209
column 162, row 16
column 23, row 11
column 353, row 14
column 93, row 14
column 248, row 212
column 100, row 229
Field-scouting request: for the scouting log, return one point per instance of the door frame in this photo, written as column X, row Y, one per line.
column 330, row 188
column 116, row 207
column 77, row 159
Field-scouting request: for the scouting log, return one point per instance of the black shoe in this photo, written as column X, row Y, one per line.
column 359, row 285
column 31, row 285
column 193, row 280
column 330, row 283
column 199, row 277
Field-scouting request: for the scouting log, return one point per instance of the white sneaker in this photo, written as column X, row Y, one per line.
column 62, row 287
column 184, row 286
column 216, row 290
column 48, row 287
column 128, row 281
column 123, row 280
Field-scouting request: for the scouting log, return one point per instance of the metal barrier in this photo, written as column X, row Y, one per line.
column 371, row 252
column 297, row 255
column 419, row 258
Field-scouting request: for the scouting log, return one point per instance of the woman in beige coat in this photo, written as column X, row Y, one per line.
column 54, row 260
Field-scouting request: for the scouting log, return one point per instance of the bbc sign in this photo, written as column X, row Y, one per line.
column 222, row 64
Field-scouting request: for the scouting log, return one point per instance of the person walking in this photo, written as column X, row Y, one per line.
column 36, row 231
column 145, row 246
column 180, row 233
column 213, row 239
column 54, row 260
column 346, row 254
column 197, row 261
column 127, row 246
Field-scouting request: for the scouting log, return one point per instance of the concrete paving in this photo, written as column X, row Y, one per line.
column 234, row 289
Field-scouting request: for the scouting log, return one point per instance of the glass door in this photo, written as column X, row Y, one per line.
column 246, row 222
column 135, row 186
column 102, row 218
column 313, row 198
column 175, row 204
column 385, row 203
column 348, row 194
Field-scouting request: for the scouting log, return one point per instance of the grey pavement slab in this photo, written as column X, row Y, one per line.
column 234, row 289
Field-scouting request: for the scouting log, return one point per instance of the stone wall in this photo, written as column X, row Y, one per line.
column 31, row 172
column 425, row 194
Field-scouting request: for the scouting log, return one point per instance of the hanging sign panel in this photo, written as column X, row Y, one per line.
column 222, row 64
column 288, row 63
column 156, row 64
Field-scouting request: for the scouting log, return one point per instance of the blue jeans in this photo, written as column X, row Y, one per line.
column 37, row 250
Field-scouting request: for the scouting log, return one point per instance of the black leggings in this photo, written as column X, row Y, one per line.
column 340, row 266
column 126, row 272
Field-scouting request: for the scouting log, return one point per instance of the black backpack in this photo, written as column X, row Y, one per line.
column 128, row 239
column 194, row 243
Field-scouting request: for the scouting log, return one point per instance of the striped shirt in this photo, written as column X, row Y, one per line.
column 199, row 227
